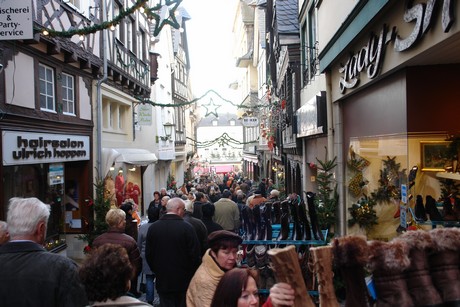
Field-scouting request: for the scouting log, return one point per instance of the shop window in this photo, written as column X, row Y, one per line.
column 32, row 181
column 68, row 94
column 47, row 94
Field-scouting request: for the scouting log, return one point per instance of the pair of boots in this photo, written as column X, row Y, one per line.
column 350, row 255
column 444, row 262
column 387, row 262
column 284, row 231
column 417, row 275
column 317, row 233
column 431, row 209
column 301, row 229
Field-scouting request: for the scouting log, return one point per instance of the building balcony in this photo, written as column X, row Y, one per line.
column 125, row 69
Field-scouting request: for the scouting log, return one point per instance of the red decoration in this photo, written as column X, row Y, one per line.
column 283, row 104
column 270, row 145
column 87, row 249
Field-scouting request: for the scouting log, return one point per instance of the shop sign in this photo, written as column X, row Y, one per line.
column 31, row 148
column 370, row 58
column 144, row 115
column 16, row 19
column 250, row 122
column 56, row 174
column 311, row 117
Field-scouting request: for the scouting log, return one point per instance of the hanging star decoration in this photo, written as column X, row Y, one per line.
column 211, row 108
column 167, row 15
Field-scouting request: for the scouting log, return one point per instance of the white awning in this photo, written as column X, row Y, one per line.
column 134, row 156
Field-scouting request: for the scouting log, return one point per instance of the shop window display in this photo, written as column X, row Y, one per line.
column 31, row 181
column 376, row 168
column 387, row 173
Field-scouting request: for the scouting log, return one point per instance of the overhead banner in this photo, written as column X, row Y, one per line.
column 16, row 19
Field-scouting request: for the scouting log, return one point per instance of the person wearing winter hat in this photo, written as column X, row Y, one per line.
column 219, row 258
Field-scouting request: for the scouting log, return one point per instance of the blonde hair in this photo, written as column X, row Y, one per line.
column 114, row 217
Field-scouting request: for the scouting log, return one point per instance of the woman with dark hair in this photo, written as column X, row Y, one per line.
column 106, row 275
column 131, row 223
column 219, row 258
column 238, row 288
column 155, row 206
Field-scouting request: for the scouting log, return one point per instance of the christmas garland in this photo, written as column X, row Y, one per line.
column 187, row 103
column 150, row 12
column 223, row 140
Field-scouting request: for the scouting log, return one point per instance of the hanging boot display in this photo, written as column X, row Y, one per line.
column 418, row 278
column 276, row 218
column 251, row 224
column 304, row 221
column 286, row 267
column 284, row 232
column 387, row 262
column 250, row 255
column 445, row 264
column 297, row 233
column 266, row 224
column 245, row 222
column 313, row 216
column 350, row 256
column 322, row 266
column 256, row 216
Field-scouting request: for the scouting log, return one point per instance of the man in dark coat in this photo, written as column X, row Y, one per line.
column 208, row 213
column 173, row 253
column 200, row 200
column 116, row 219
column 29, row 275
column 200, row 228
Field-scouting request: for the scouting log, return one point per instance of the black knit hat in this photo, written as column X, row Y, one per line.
column 221, row 235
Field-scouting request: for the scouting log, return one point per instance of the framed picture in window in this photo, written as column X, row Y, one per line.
column 436, row 156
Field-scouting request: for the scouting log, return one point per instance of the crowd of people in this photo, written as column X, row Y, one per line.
column 188, row 252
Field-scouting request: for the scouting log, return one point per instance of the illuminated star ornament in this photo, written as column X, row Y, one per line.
column 166, row 15
column 211, row 108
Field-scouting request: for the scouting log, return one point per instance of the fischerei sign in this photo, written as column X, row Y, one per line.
column 16, row 19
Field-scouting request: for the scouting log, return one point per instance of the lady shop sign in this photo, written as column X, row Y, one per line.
column 370, row 57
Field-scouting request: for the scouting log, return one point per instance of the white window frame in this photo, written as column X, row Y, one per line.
column 49, row 93
column 68, row 94
column 129, row 34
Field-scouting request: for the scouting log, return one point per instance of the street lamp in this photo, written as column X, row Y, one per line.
column 168, row 130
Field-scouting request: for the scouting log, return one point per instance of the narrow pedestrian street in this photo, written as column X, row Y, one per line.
column 302, row 152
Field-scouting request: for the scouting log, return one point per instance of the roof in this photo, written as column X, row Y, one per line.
column 287, row 12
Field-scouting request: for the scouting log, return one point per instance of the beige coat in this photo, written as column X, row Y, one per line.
column 204, row 282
